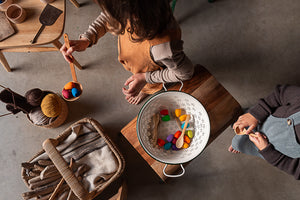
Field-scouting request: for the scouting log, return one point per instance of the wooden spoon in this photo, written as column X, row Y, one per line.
column 74, row 77
column 177, row 121
column 180, row 140
column 239, row 132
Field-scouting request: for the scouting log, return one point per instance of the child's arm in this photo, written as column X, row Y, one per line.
column 283, row 95
column 281, row 161
column 90, row 37
column 178, row 66
column 102, row 24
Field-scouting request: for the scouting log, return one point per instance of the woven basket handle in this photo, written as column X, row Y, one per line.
column 64, row 170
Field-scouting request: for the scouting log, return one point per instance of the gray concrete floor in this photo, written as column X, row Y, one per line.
column 248, row 45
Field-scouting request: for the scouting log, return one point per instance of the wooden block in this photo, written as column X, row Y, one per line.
column 222, row 110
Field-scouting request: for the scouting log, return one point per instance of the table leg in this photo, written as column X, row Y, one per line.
column 4, row 62
column 58, row 45
column 75, row 3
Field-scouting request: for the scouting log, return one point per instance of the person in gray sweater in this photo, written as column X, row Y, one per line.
column 276, row 123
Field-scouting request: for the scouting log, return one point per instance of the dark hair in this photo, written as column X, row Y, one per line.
column 147, row 18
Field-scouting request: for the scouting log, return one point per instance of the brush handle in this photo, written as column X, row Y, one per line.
column 38, row 34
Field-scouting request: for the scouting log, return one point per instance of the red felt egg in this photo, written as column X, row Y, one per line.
column 67, row 94
column 161, row 142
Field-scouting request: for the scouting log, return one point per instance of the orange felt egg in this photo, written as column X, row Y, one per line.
column 69, row 86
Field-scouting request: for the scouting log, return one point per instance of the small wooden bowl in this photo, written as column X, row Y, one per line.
column 15, row 13
column 79, row 87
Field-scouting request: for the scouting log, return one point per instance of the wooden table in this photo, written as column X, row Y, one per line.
column 222, row 110
column 25, row 32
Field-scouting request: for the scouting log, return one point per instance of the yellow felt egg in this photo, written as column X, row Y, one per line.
column 182, row 118
column 51, row 106
column 69, row 86
column 177, row 112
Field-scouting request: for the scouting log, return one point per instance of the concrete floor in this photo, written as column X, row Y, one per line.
column 248, row 45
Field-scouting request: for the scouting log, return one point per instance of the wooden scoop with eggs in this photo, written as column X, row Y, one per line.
column 72, row 90
column 238, row 131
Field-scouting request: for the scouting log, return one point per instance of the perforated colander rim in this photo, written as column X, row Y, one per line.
column 140, row 139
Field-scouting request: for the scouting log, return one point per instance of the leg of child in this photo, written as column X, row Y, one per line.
column 242, row 143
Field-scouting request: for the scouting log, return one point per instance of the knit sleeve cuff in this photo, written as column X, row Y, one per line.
column 148, row 77
column 270, row 154
column 86, row 37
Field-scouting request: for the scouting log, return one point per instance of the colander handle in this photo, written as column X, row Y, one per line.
column 178, row 90
column 173, row 176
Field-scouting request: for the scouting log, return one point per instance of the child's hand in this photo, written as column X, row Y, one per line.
column 136, row 83
column 260, row 141
column 75, row 45
column 244, row 121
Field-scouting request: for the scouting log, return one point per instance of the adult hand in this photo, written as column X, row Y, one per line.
column 246, row 120
column 260, row 141
column 75, row 45
column 136, row 83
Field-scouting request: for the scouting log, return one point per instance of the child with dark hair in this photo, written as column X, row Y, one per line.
column 149, row 44
column 276, row 121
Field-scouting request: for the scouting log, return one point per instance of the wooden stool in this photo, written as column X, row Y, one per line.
column 222, row 110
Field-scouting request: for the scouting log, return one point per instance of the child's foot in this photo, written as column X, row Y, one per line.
column 232, row 150
column 136, row 99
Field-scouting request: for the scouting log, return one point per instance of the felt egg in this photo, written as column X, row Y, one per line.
column 177, row 112
column 177, row 134
column 67, row 94
column 161, row 142
column 189, row 133
column 75, row 92
column 164, row 112
column 51, row 106
column 182, row 125
column 174, row 141
column 165, row 118
column 187, row 139
column 182, row 118
column 69, row 86
column 185, row 145
column 174, row 147
column 167, row 146
column 34, row 96
column 170, row 138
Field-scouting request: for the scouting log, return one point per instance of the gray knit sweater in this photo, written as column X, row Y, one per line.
column 283, row 102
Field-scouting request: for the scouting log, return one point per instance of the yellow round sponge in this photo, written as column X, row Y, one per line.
column 51, row 105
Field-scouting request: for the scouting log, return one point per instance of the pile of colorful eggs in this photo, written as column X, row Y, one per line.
column 170, row 142
column 71, row 90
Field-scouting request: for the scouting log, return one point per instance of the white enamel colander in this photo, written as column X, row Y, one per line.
column 199, row 124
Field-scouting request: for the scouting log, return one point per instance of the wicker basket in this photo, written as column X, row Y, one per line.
column 60, row 119
column 64, row 169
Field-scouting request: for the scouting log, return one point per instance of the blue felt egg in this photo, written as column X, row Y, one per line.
column 167, row 146
column 75, row 92
column 183, row 125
